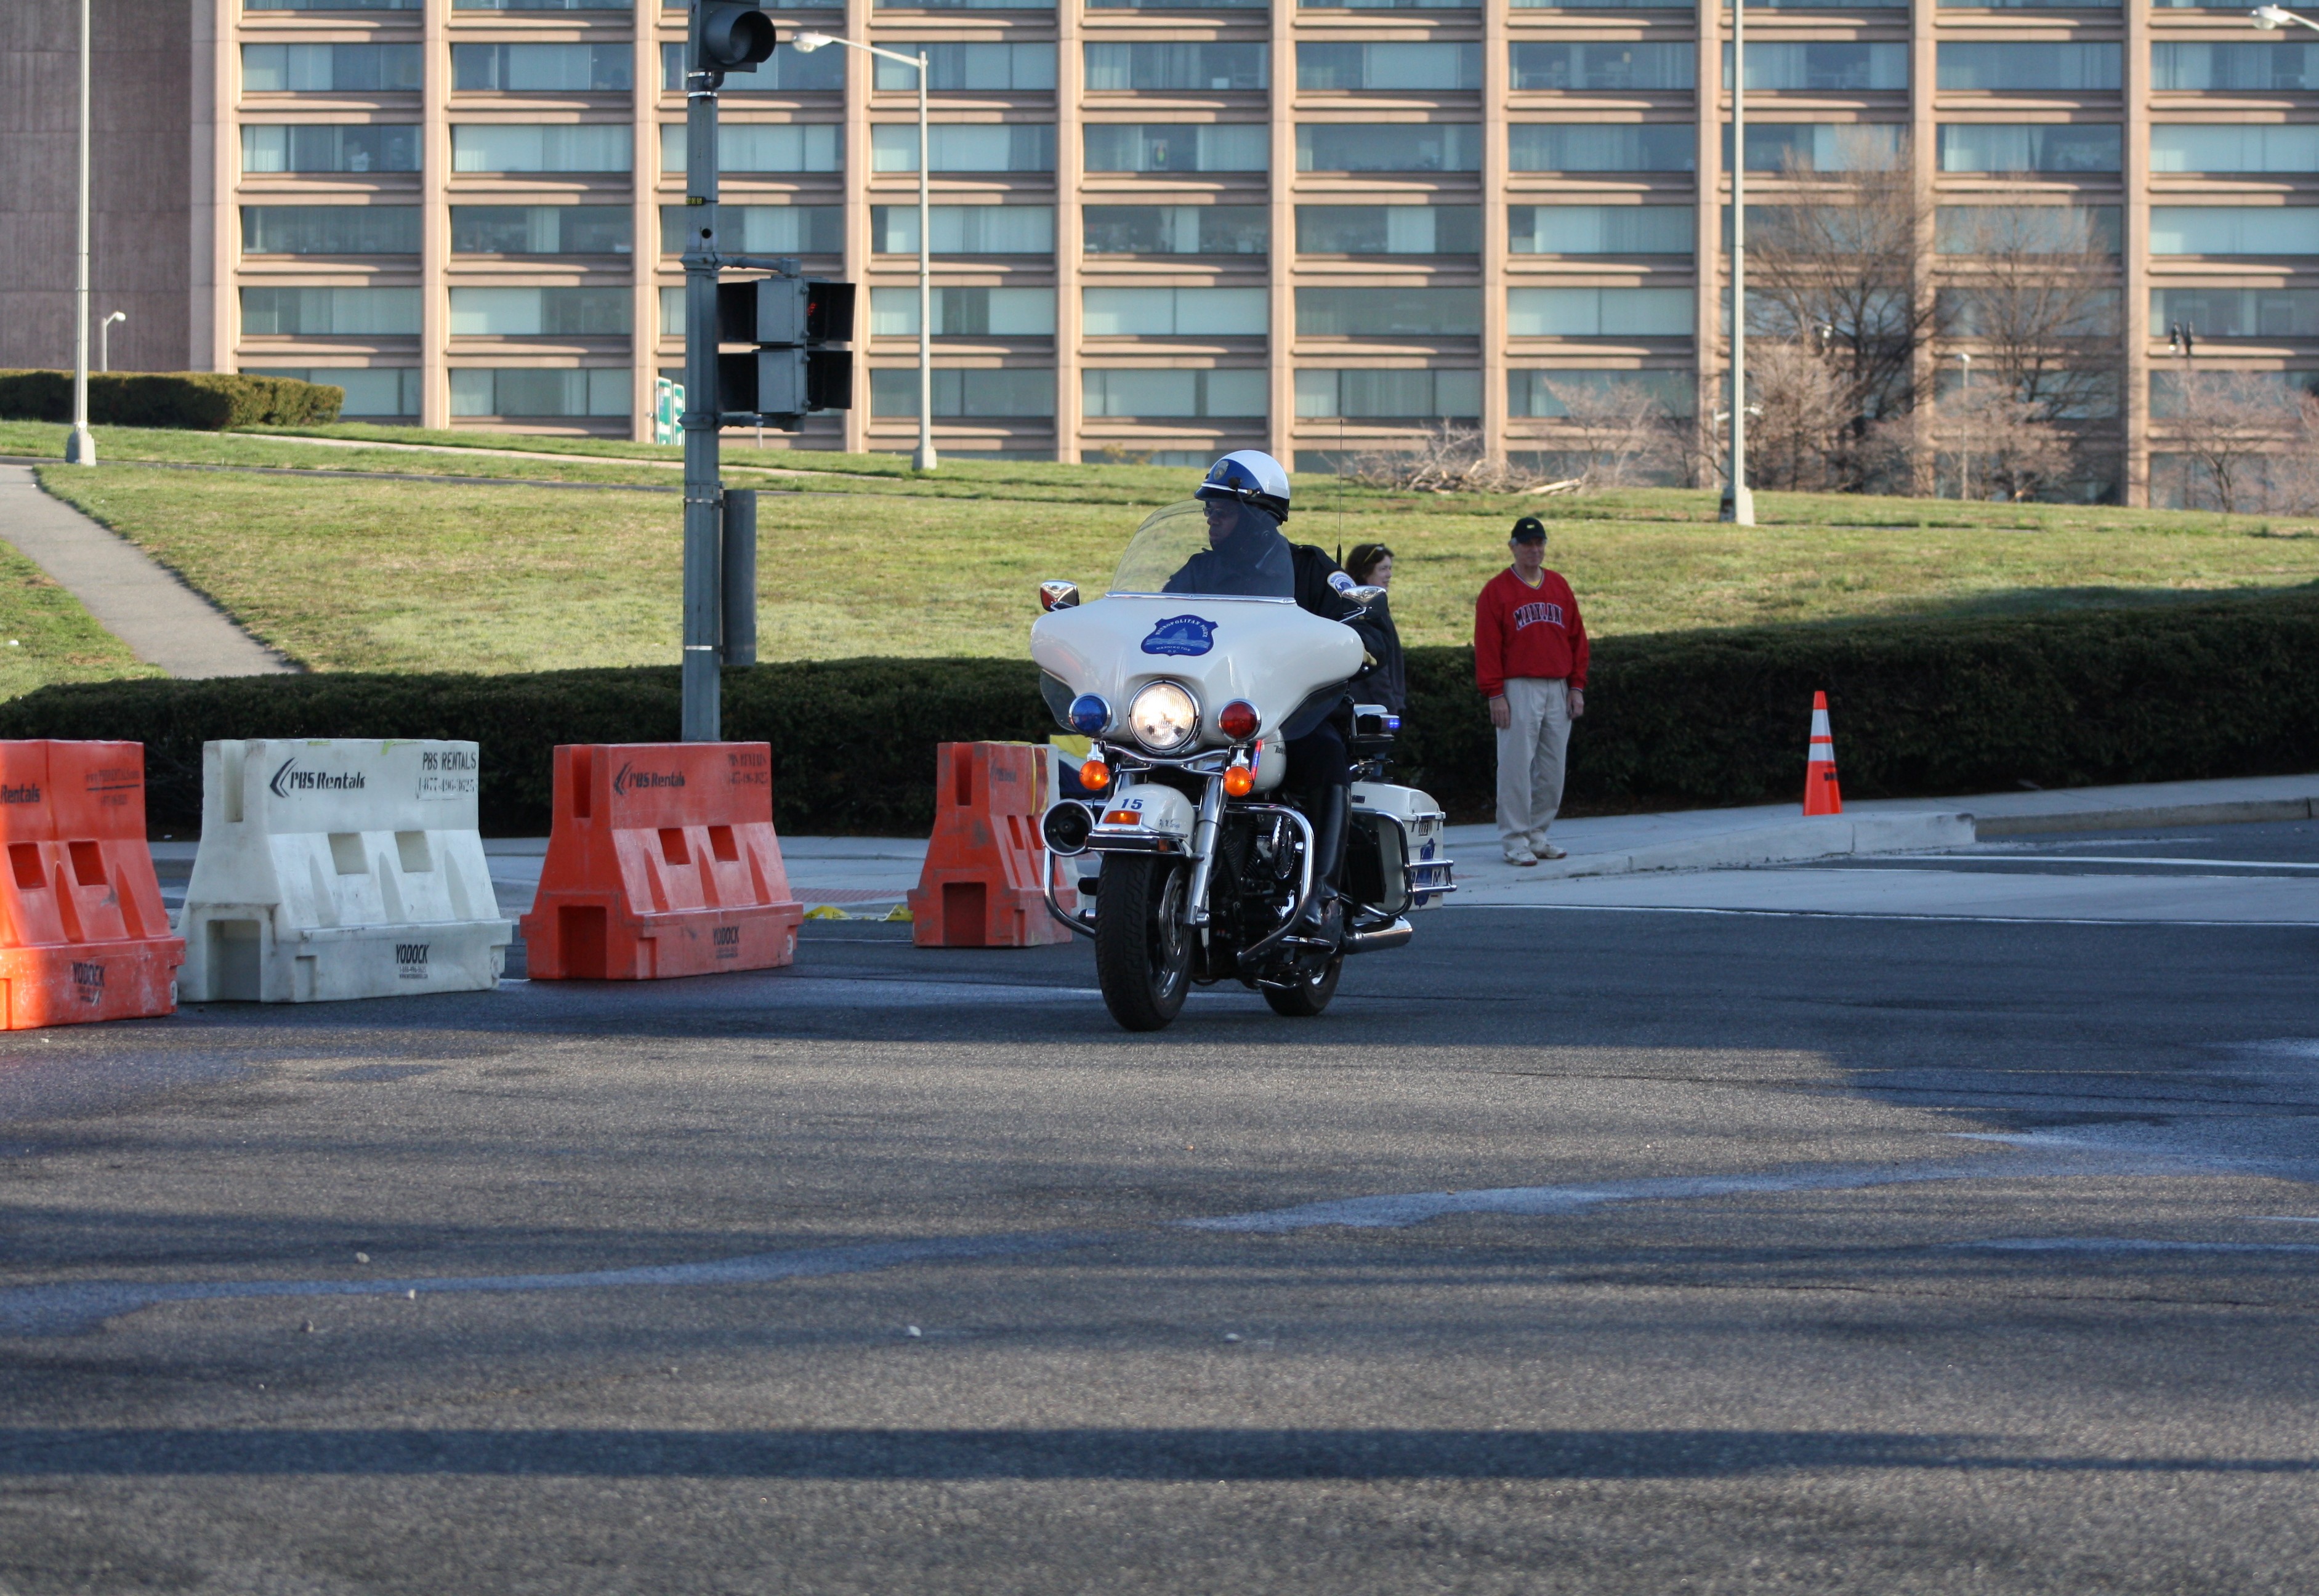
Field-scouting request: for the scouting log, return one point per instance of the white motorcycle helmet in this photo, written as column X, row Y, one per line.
column 1250, row 476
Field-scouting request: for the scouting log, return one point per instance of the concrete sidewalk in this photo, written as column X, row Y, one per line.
column 163, row 622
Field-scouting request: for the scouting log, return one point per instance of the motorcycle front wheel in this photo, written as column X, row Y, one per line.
column 1142, row 949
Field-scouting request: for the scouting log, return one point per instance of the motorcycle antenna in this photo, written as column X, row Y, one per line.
column 1341, row 487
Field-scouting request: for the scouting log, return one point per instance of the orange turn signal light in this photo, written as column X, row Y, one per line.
column 1240, row 781
column 1094, row 775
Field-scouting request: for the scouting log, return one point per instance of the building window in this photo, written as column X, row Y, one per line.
column 1820, row 146
column 763, row 147
column 964, row 147
column 763, row 230
column 330, row 230
column 2234, row 148
column 1114, row 391
column 1389, row 147
column 967, row 393
column 2239, row 312
column 1629, row 147
column 966, row 5
column 1599, row 312
column 334, row 5
column 2016, row 68
column 953, row 68
column 541, row 229
column 786, row 71
column 1601, row 230
column 1617, row 67
column 1388, row 313
column 538, row 312
column 1389, row 5
column 518, row 391
column 533, row 147
column 1399, row 66
column 2024, row 230
column 1839, row 69
column 965, row 229
column 375, row 146
column 1178, row 146
column 332, row 68
column 1179, row 5
column 529, row 69
column 1386, row 395
column 2234, row 230
column 1114, row 68
column 2282, row 64
column 543, row 5
column 1609, row 4
column 2166, row 388
column 372, row 390
column 1176, row 229
column 1173, row 312
column 2018, row 5
column 1388, row 230
column 965, row 313
column 2032, row 146
column 324, row 311
column 1547, row 395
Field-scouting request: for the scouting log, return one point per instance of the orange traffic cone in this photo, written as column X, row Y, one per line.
column 1821, row 794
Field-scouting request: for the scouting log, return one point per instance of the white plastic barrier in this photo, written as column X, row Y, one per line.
column 339, row 868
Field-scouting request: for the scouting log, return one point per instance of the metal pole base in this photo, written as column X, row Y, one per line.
column 1740, row 506
column 922, row 458
column 80, row 447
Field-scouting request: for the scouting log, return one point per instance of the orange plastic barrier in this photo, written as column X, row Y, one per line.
column 1822, row 795
column 661, row 861
column 983, row 885
column 83, row 934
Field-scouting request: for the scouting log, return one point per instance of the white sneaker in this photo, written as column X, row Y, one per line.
column 1548, row 851
column 1520, row 856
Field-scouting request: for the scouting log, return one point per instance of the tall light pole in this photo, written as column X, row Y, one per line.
column 80, row 447
column 1738, row 502
column 1964, row 468
column 105, row 340
column 924, row 460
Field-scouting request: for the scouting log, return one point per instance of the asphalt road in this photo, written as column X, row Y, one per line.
column 1828, row 1244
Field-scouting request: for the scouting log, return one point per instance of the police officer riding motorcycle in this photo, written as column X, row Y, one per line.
column 1218, row 676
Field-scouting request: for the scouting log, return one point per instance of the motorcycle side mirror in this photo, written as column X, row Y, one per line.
column 1058, row 595
column 1364, row 597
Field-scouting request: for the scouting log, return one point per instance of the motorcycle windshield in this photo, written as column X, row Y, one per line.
column 1213, row 549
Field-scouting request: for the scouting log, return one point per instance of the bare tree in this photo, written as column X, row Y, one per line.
column 1450, row 460
column 2227, row 427
column 1619, row 431
column 1800, row 436
column 1836, row 267
column 2005, row 447
column 2033, row 292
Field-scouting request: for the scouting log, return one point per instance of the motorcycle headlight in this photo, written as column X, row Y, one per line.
column 1164, row 717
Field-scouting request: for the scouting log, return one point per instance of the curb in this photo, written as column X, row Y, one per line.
column 1825, row 837
column 2239, row 812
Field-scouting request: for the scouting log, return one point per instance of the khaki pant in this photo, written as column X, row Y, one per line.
column 1530, row 760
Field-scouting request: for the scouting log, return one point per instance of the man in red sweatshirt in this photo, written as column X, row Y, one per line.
column 1530, row 661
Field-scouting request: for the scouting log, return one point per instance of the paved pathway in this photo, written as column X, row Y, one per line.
column 165, row 622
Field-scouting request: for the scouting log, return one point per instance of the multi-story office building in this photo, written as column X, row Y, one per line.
column 1160, row 230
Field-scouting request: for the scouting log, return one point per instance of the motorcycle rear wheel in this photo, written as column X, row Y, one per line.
column 1310, row 994
column 1142, row 949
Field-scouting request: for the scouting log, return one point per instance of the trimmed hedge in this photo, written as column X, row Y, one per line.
column 202, row 400
column 2152, row 693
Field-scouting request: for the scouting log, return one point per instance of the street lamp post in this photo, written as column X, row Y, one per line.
column 80, row 447
column 2271, row 18
column 1964, row 404
column 924, row 460
column 105, row 340
column 1739, row 503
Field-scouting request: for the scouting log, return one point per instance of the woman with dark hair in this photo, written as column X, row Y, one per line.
column 1371, row 565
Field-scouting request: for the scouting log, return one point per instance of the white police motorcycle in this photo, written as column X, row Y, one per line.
column 1190, row 675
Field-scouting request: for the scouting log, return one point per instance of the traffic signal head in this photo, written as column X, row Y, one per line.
column 789, row 319
column 731, row 36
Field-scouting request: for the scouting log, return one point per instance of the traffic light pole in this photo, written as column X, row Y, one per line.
column 704, row 492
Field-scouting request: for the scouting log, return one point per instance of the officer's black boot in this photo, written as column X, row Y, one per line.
column 1332, row 809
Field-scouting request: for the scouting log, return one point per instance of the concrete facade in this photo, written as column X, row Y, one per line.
column 1318, row 229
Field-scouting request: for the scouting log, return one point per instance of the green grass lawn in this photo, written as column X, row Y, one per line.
column 365, row 570
column 45, row 635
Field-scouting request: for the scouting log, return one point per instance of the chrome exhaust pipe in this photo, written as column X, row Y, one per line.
column 1385, row 936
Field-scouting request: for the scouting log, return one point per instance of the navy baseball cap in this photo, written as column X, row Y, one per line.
column 1529, row 529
